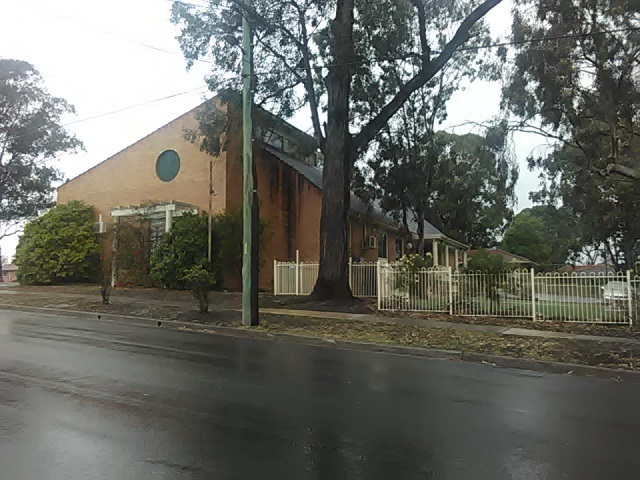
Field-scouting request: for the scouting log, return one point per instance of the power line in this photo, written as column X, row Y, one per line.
column 129, row 107
column 493, row 45
column 134, row 106
column 111, row 33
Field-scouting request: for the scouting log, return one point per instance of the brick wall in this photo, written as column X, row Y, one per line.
column 289, row 204
column 129, row 177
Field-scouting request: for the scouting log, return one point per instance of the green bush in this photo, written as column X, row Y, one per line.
column 200, row 281
column 227, row 234
column 59, row 247
column 490, row 265
column 184, row 246
column 406, row 272
column 483, row 261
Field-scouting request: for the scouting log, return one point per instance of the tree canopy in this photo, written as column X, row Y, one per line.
column 59, row 247
column 528, row 236
column 462, row 184
column 354, row 61
column 31, row 134
column 583, row 91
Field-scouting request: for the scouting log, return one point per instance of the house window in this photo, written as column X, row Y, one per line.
column 289, row 146
column 167, row 165
column 273, row 139
column 399, row 248
column 382, row 245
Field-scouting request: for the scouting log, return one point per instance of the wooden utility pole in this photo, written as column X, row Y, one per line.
column 249, row 225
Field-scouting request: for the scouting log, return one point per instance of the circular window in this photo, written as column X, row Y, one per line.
column 167, row 165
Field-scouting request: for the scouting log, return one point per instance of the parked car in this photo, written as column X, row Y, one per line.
column 617, row 291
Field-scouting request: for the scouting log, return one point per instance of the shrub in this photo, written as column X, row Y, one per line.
column 200, row 281
column 133, row 251
column 406, row 271
column 490, row 265
column 59, row 247
column 184, row 246
column 227, row 233
column 483, row 261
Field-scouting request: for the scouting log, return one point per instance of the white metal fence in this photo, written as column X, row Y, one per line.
column 613, row 298
column 504, row 294
column 299, row 278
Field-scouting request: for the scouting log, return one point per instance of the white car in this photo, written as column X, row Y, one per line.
column 617, row 291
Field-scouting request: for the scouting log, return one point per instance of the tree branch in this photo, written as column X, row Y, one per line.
column 426, row 73
column 628, row 172
column 311, row 92
column 422, row 22
column 258, row 19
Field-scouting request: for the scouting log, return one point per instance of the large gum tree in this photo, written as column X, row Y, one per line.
column 351, row 63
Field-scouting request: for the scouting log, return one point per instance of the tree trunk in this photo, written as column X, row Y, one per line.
column 420, row 246
column 333, row 276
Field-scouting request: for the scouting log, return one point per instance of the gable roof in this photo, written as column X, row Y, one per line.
column 314, row 176
column 9, row 267
column 504, row 253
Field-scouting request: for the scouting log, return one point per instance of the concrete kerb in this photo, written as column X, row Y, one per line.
column 492, row 360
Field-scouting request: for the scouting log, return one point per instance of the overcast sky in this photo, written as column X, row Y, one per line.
column 92, row 54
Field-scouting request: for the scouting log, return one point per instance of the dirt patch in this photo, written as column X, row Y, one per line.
column 625, row 331
column 357, row 305
column 555, row 350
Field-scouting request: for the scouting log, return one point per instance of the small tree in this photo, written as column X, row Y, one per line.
column 200, row 280
column 108, row 262
column 59, row 247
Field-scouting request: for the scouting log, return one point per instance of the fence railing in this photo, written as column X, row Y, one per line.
column 299, row 278
column 503, row 294
column 613, row 298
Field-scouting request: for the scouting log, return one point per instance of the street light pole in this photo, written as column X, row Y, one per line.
column 249, row 270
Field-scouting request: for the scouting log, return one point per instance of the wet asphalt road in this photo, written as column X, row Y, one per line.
column 85, row 399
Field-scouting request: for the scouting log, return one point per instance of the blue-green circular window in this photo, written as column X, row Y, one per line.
column 167, row 165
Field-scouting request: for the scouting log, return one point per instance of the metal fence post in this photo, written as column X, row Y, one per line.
column 297, row 272
column 450, row 290
column 275, row 277
column 630, row 301
column 350, row 274
column 379, row 289
column 533, row 294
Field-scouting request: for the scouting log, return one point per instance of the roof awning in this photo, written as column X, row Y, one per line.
column 157, row 210
column 160, row 211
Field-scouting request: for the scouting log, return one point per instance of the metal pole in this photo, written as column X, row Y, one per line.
column 297, row 272
column 275, row 277
column 629, row 293
column 533, row 294
column 379, row 285
column 249, row 307
column 210, row 207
